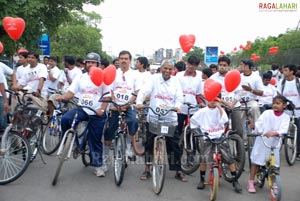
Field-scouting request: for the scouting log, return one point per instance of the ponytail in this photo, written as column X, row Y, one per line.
column 290, row 105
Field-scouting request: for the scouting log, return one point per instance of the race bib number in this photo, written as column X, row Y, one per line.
column 160, row 110
column 164, row 129
column 87, row 100
column 124, row 97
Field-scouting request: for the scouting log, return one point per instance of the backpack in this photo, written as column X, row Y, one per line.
column 297, row 85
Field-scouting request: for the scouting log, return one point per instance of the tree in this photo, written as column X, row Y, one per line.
column 40, row 17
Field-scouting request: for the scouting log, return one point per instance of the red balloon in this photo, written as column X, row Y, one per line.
column 241, row 47
column 1, row 47
column 253, row 55
column 109, row 74
column 211, row 89
column 273, row 81
column 234, row 49
column 221, row 52
column 14, row 27
column 232, row 80
column 187, row 42
column 96, row 75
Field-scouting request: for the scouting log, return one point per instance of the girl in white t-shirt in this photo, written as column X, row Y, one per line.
column 271, row 123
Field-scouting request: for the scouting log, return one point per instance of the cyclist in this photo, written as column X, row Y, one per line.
column 4, row 105
column 270, row 123
column 166, row 93
column 265, row 101
column 89, row 96
column 124, row 89
column 290, row 88
column 211, row 120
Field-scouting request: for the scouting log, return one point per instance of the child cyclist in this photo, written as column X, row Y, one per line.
column 211, row 120
column 271, row 123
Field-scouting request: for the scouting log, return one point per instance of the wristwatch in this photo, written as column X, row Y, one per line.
column 102, row 110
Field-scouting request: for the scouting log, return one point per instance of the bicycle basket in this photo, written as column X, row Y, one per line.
column 162, row 127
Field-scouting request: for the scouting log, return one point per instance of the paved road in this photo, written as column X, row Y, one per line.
column 78, row 183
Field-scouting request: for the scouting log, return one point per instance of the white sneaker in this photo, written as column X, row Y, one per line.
column 104, row 167
column 129, row 151
column 99, row 172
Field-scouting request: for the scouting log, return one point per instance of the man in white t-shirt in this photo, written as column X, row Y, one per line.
column 21, row 70
column 266, row 100
column 34, row 79
column 51, row 82
column 290, row 88
column 89, row 95
column 166, row 93
column 124, row 90
column 3, row 103
column 231, row 99
column 191, row 85
column 144, row 75
column 6, row 71
column 252, row 88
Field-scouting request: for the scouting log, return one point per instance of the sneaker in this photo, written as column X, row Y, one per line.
column 201, row 185
column 129, row 152
column 99, row 172
column 104, row 167
column 275, row 188
column 251, row 188
column 237, row 187
column 298, row 157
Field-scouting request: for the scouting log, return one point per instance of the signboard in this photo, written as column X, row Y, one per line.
column 211, row 55
column 44, row 44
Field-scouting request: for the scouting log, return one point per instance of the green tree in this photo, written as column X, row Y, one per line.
column 41, row 16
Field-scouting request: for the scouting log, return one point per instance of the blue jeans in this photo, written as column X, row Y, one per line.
column 95, row 129
column 3, row 118
column 131, row 121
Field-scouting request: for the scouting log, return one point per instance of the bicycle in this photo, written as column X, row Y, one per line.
column 189, row 159
column 71, row 137
column 290, row 141
column 216, row 169
column 20, row 141
column 161, row 127
column 269, row 172
column 119, row 150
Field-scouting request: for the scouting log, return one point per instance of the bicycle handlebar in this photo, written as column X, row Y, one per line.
column 24, row 91
column 83, row 106
column 115, row 103
column 160, row 114
column 264, row 141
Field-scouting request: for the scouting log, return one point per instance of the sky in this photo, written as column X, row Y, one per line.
column 144, row 26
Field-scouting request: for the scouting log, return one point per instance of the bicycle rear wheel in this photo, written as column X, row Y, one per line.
column 85, row 153
column 214, row 183
column 52, row 136
column 159, row 165
column 275, row 187
column 290, row 145
column 119, row 158
column 139, row 140
column 14, row 158
column 63, row 155
column 237, row 150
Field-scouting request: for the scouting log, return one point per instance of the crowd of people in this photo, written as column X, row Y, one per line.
column 170, row 87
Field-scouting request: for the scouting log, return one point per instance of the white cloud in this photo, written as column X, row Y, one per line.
column 143, row 26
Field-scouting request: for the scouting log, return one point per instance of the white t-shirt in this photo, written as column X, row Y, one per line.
column 165, row 95
column 32, row 78
column 276, row 75
column 20, row 73
column 290, row 92
column 191, row 86
column 89, row 93
column 255, row 81
column 144, row 77
column 72, row 75
column 52, row 86
column 124, row 85
column 269, row 93
column 227, row 96
column 209, row 120
column 5, row 70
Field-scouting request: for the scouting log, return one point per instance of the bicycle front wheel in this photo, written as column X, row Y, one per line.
column 63, row 155
column 14, row 157
column 52, row 136
column 119, row 158
column 159, row 165
column 85, row 154
column 139, row 140
column 290, row 145
column 214, row 183
column 237, row 151
column 275, row 187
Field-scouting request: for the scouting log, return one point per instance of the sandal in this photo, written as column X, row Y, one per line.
column 146, row 175
column 180, row 176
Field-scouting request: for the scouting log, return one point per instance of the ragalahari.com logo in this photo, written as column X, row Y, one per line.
column 277, row 7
